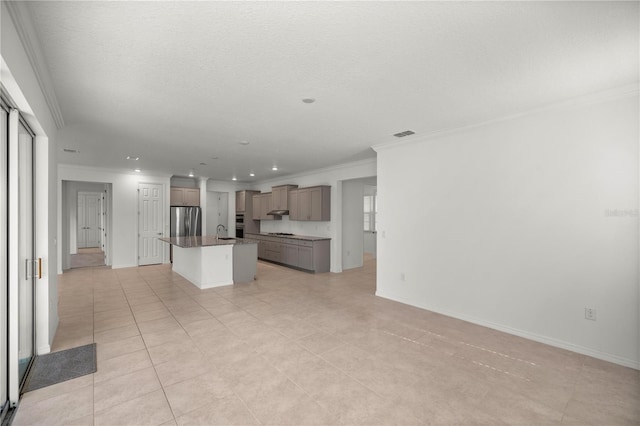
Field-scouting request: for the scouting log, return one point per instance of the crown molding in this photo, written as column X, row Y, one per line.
column 21, row 17
column 367, row 162
column 579, row 101
column 66, row 167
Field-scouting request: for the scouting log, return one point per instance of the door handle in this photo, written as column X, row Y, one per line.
column 33, row 267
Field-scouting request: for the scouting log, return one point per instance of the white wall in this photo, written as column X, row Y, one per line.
column 506, row 225
column 21, row 83
column 334, row 177
column 230, row 189
column 124, row 207
column 217, row 212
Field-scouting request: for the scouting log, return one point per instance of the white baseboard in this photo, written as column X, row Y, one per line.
column 44, row 349
column 605, row 356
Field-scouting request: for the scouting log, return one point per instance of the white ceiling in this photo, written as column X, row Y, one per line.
column 178, row 83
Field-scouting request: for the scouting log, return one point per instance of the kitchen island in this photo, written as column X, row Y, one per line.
column 210, row 261
column 302, row 252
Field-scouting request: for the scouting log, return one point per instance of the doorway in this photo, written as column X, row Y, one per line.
column 88, row 232
column 150, row 223
column 358, row 221
column 89, row 226
column 86, row 209
column 370, row 215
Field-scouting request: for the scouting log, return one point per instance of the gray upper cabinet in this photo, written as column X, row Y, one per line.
column 280, row 197
column 242, row 198
column 262, row 205
column 265, row 206
column 313, row 203
column 184, row 196
column 293, row 205
column 255, row 200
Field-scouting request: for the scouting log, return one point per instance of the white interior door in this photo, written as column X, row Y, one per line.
column 150, row 223
column 92, row 220
column 101, row 221
column 88, row 219
column 81, row 233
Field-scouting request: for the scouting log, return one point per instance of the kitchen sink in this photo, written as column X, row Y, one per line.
column 226, row 238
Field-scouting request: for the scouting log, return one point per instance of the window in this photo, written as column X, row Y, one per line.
column 370, row 210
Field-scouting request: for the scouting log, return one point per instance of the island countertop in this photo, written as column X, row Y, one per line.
column 205, row 241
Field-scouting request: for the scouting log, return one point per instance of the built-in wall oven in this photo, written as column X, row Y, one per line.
column 239, row 225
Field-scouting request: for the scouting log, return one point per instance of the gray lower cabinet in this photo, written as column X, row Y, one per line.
column 289, row 254
column 310, row 255
column 305, row 257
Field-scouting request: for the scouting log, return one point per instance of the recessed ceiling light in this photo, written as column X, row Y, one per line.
column 191, row 174
column 137, row 170
column 274, row 168
column 234, row 178
column 245, row 143
column 252, row 174
column 132, row 158
column 308, row 100
column 71, row 151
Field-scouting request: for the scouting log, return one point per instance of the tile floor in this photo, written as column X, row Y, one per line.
column 87, row 257
column 301, row 349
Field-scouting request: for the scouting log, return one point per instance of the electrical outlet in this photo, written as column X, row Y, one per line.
column 590, row 314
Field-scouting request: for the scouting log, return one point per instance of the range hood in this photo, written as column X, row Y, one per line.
column 278, row 213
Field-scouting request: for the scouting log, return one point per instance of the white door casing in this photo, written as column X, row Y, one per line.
column 150, row 223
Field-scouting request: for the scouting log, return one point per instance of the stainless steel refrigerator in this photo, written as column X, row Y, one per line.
column 185, row 222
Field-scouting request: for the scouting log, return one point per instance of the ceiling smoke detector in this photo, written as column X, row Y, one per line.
column 405, row 133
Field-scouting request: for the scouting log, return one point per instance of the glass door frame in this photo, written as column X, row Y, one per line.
column 16, row 383
column 4, row 350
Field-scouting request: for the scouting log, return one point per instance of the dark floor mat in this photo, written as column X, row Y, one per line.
column 61, row 366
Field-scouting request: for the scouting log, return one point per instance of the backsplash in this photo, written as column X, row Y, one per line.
column 316, row 229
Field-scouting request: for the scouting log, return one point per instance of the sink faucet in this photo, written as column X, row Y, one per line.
column 224, row 228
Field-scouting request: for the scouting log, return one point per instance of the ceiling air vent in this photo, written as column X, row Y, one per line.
column 405, row 133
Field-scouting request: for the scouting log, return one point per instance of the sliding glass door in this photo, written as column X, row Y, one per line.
column 22, row 269
column 4, row 146
column 28, row 273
